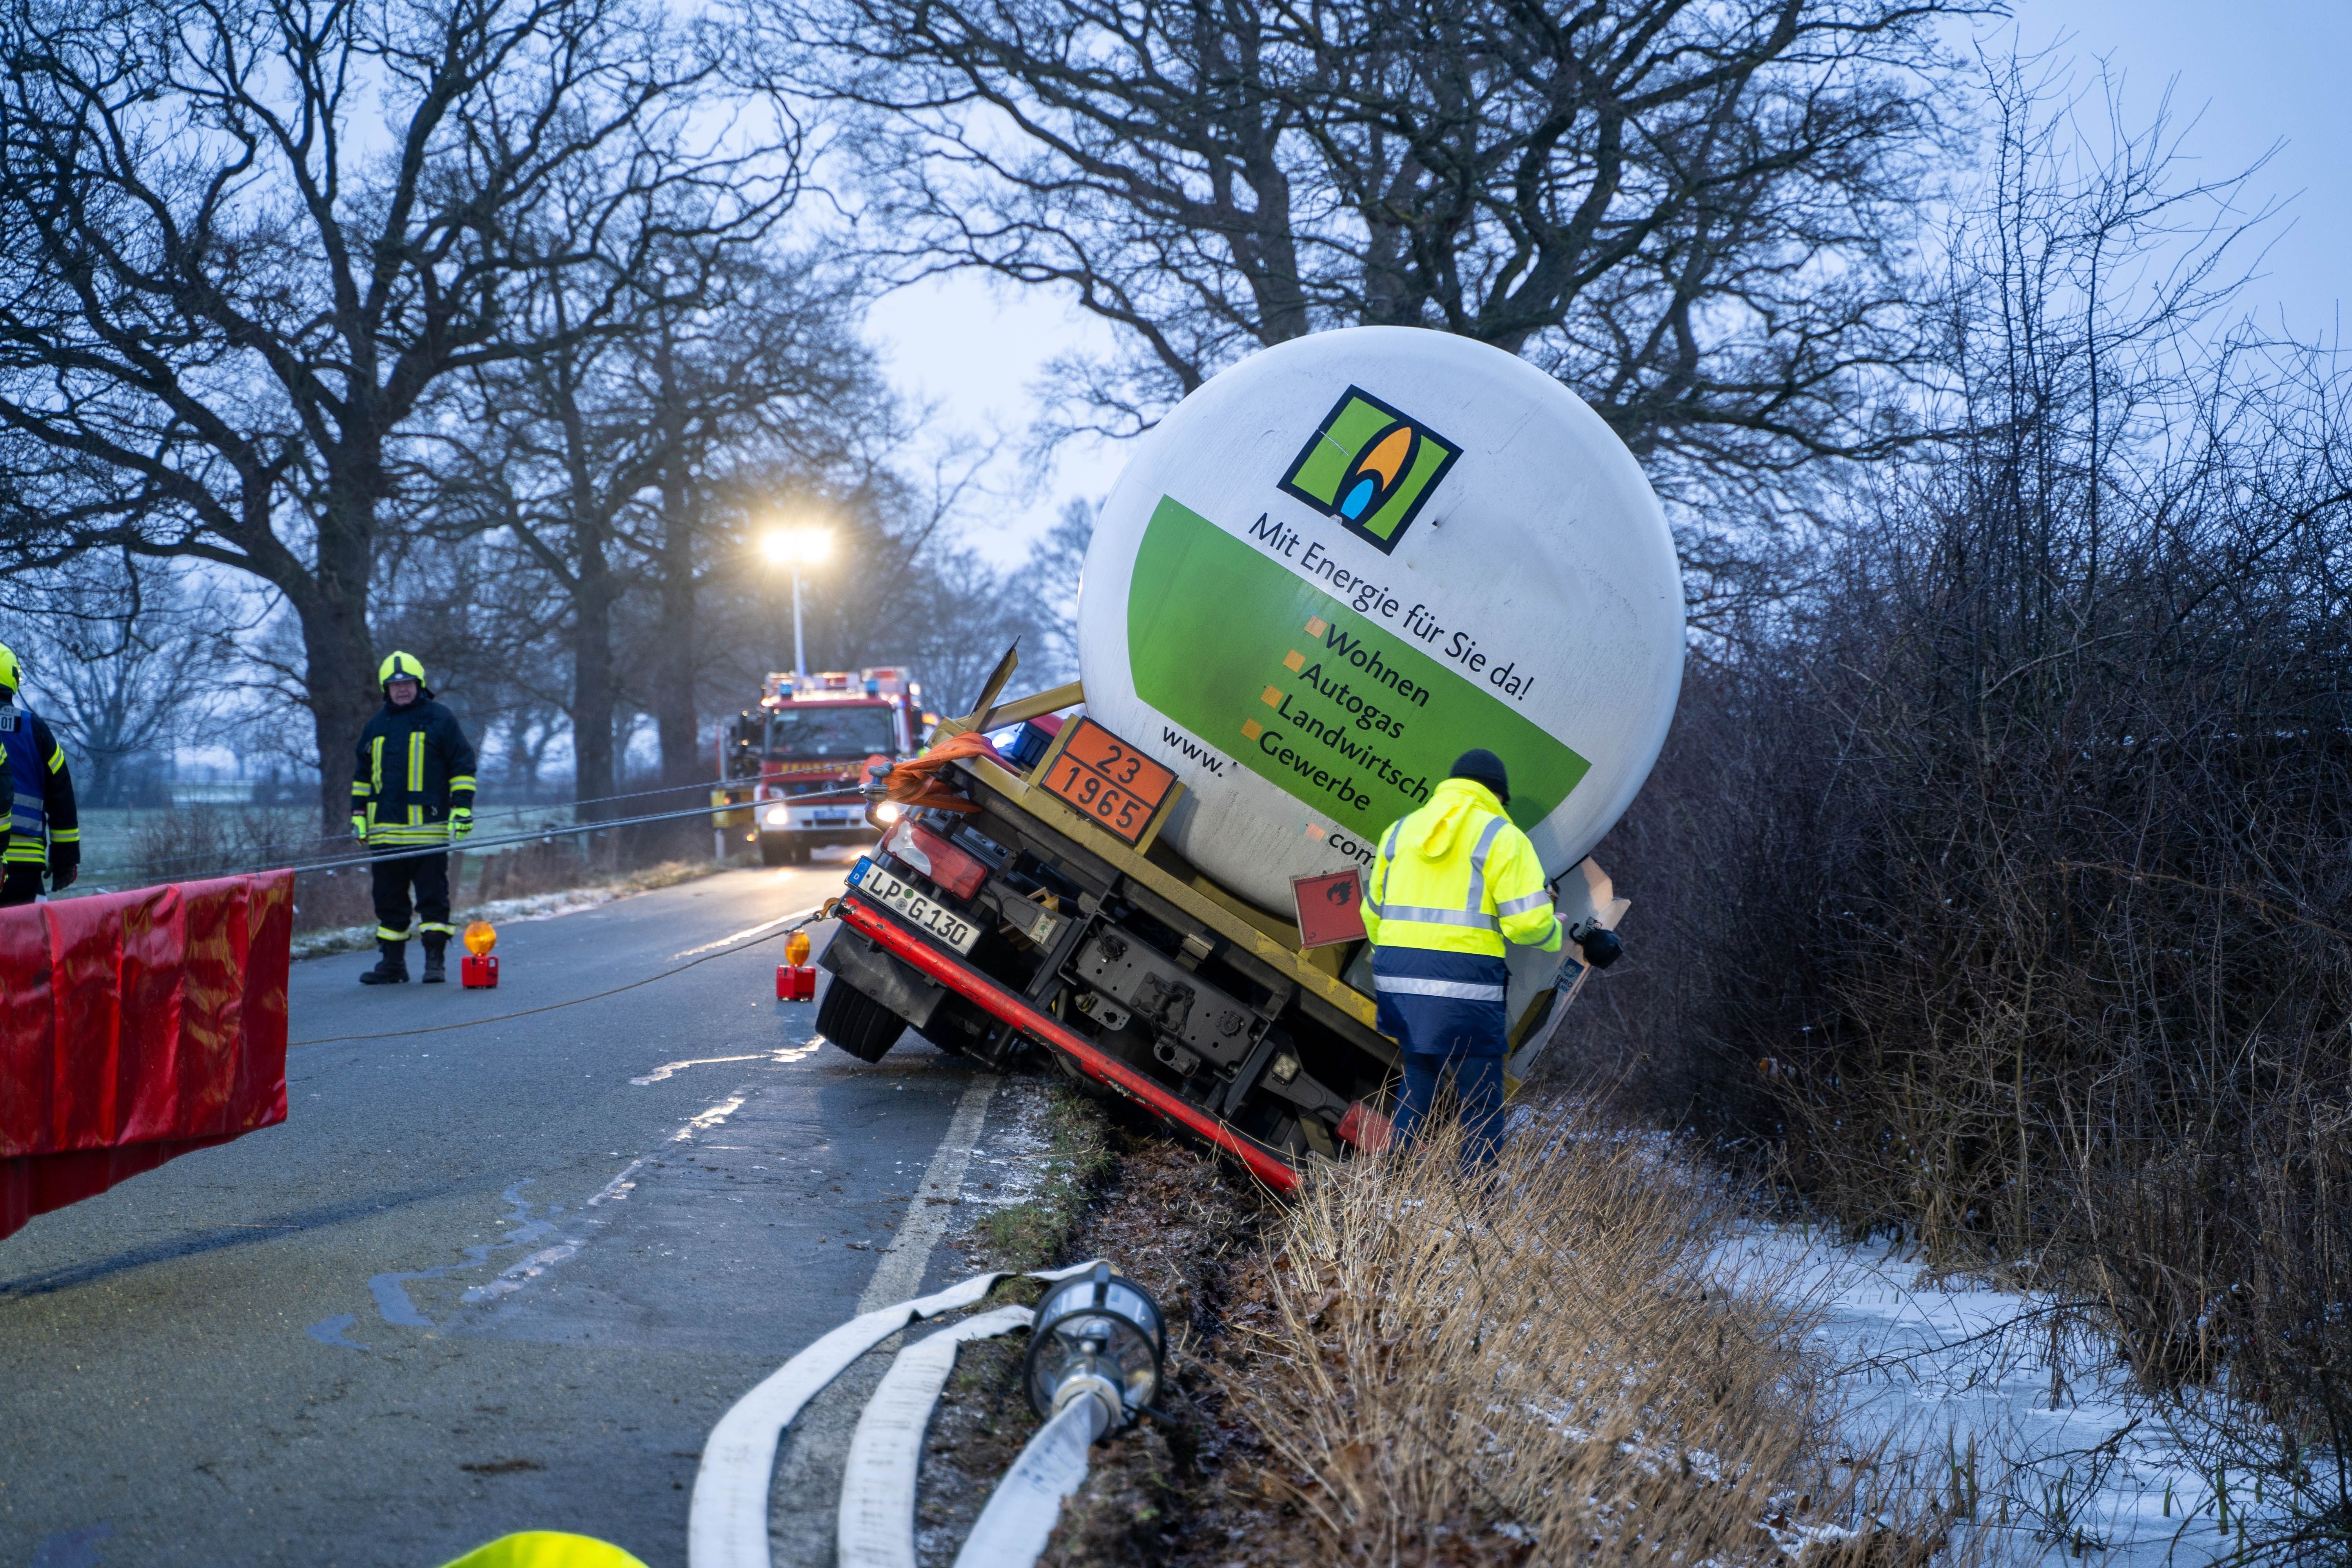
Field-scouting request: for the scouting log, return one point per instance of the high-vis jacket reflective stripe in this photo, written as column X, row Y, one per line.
column 1457, row 876
column 43, row 824
column 414, row 770
column 25, row 819
column 1453, row 990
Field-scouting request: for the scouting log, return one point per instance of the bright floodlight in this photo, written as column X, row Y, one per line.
column 796, row 546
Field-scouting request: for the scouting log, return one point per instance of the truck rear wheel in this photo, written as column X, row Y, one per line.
column 859, row 1024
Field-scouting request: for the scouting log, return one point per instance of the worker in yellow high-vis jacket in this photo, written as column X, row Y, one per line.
column 1454, row 882
column 412, row 797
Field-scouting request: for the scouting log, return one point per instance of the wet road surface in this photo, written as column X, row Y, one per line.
column 483, row 1280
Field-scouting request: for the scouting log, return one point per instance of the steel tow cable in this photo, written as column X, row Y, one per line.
column 405, row 852
column 489, row 810
column 805, row 918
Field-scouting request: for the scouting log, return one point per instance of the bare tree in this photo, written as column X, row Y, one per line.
column 589, row 459
column 248, row 237
column 125, row 664
column 2002, row 881
column 1696, row 215
column 776, row 377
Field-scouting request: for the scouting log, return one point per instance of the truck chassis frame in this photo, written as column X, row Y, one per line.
column 1138, row 976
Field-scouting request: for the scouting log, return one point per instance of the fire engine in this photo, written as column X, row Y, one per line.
column 805, row 750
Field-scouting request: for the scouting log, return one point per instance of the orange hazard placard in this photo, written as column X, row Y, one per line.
column 1109, row 779
column 1330, row 908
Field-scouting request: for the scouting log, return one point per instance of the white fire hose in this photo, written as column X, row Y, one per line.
column 1012, row 1528
column 727, row 1525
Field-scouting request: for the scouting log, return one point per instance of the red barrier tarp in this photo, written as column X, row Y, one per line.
column 137, row 1026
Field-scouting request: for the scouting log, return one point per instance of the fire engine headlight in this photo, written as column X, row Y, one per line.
column 1100, row 1333
column 888, row 812
column 778, row 817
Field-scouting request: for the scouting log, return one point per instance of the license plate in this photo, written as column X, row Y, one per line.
column 916, row 909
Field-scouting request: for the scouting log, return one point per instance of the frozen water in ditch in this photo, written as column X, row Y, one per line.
column 2067, row 1468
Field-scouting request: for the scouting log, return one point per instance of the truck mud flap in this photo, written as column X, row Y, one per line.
column 986, row 993
column 903, row 989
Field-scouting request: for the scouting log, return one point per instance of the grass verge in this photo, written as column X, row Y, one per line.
column 1548, row 1365
column 1544, row 1363
column 1037, row 1232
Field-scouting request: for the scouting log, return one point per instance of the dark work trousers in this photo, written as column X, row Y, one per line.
column 1478, row 1097
column 1446, row 1010
column 430, row 876
column 22, row 884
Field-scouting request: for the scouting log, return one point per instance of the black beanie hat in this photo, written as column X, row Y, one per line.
column 1486, row 768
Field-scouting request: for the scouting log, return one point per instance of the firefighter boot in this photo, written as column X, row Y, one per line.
column 391, row 965
column 435, row 944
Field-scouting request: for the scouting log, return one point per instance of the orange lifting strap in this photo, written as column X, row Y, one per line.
column 914, row 785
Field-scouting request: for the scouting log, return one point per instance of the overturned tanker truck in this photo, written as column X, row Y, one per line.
column 1329, row 571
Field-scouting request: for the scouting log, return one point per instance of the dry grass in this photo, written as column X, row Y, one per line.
column 1546, row 1364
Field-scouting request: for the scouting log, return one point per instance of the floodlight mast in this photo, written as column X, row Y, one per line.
column 796, row 547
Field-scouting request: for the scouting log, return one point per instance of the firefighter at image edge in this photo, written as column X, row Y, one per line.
column 413, row 795
column 44, row 827
column 1452, row 882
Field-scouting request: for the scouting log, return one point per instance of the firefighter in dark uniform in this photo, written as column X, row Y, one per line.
column 44, row 826
column 412, row 797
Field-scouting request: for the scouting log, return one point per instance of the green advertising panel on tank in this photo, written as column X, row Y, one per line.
column 1303, row 690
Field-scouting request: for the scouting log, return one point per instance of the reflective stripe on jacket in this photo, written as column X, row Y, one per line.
column 1452, row 882
column 1457, row 876
column 414, row 767
column 44, row 825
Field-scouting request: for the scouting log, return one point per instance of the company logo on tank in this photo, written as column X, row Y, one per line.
column 1370, row 465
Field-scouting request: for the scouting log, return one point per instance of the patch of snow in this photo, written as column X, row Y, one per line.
column 1995, row 1395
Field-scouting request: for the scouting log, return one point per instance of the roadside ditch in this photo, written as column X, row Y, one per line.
column 1406, row 1366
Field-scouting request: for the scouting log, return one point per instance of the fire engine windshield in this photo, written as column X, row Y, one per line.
column 823, row 730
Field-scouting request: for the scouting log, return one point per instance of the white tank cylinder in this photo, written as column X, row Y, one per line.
column 1348, row 559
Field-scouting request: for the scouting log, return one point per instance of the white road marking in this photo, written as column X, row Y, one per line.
column 514, row 1279
column 900, row 1272
column 784, row 1056
column 749, row 930
column 708, row 1118
column 617, row 1190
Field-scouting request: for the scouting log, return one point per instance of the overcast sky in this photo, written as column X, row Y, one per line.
column 2249, row 74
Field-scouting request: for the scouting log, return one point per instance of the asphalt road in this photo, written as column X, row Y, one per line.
column 484, row 1280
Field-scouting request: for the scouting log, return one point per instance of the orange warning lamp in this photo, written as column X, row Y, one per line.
column 796, row 980
column 479, row 968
